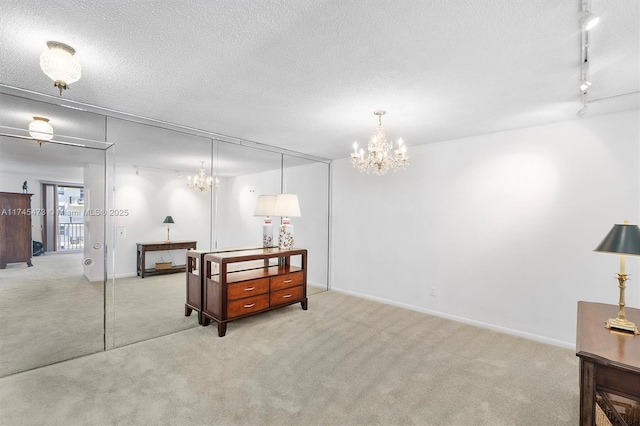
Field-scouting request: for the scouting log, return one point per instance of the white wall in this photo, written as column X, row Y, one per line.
column 311, row 229
column 237, row 227
column 94, row 226
column 502, row 226
column 240, row 228
column 147, row 198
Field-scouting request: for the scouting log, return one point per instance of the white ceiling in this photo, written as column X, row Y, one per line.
column 307, row 75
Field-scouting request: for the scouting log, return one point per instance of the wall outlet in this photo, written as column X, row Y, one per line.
column 121, row 232
column 433, row 291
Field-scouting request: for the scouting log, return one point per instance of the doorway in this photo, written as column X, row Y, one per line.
column 63, row 228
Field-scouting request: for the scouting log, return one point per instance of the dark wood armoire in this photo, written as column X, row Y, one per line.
column 15, row 228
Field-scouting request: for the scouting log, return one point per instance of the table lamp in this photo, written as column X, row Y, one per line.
column 265, row 207
column 623, row 239
column 286, row 206
column 168, row 220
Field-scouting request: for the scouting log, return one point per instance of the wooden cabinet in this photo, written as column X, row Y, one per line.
column 240, row 283
column 15, row 228
column 195, row 274
column 609, row 367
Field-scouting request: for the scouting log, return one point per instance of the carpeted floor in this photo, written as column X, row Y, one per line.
column 50, row 312
column 345, row 361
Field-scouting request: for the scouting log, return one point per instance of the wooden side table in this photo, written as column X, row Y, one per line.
column 609, row 363
column 143, row 248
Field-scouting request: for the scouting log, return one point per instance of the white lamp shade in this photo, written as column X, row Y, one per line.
column 40, row 129
column 287, row 205
column 58, row 63
column 265, row 205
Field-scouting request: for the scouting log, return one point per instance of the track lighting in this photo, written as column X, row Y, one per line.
column 582, row 111
column 585, row 106
column 584, row 85
column 588, row 20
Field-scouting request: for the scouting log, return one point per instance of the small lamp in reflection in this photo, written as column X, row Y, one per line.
column 622, row 239
column 286, row 206
column 265, row 207
column 168, row 220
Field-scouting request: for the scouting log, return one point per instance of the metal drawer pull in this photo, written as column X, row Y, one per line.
column 287, row 281
column 249, row 289
column 250, row 306
column 287, row 296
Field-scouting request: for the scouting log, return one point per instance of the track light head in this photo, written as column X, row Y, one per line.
column 588, row 20
column 584, row 85
column 583, row 111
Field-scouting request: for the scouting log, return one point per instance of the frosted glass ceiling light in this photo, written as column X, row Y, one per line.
column 588, row 21
column 41, row 130
column 59, row 65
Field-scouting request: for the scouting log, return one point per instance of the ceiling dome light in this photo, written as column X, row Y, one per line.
column 59, row 65
column 41, row 130
column 588, row 21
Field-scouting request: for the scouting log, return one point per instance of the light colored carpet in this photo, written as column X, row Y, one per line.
column 345, row 361
column 50, row 312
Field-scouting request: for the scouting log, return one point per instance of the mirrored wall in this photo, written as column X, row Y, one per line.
column 107, row 185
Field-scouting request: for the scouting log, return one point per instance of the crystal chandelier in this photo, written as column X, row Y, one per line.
column 59, row 65
column 380, row 158
column 201, row 182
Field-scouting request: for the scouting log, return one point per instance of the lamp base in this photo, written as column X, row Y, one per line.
column 285, row 236
column 621, row 324
column 267, row 234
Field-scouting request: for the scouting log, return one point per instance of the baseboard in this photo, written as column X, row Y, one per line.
column 518, row 333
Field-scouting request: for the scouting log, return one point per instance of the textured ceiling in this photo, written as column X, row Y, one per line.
column 307, row 75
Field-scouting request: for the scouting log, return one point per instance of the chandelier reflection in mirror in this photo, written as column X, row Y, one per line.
column 380, row 156
column 201, row 182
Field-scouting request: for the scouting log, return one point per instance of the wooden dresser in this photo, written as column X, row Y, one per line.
column 15, row 228
column 241, row 283
column 609, row 367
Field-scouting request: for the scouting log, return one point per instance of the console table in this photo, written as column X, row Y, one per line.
column 609, row 365
column 235, row 286
column 143, row 248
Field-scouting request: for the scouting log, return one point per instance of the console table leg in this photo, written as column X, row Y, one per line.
column 587, row 393
column 304, row 304
column 222, row 329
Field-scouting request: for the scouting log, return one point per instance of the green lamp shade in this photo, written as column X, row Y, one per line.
column 623, row 239
column 168, row 219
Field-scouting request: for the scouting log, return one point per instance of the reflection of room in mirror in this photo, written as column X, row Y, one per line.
column 141, row 166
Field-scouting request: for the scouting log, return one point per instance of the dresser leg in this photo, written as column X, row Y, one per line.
column 304, row 304
column 222, row 329
column 205, row 321
column 187, row 311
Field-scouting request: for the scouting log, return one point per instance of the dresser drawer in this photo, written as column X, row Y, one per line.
column 285, row 296
column 248, row 305
column 247, row 288
column 286, row 280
